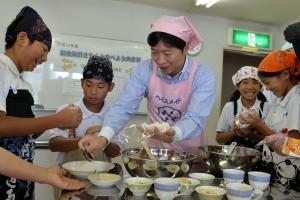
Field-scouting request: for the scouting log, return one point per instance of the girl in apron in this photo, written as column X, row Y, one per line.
column 247, row 96
column 279, row 71
column 28, row 41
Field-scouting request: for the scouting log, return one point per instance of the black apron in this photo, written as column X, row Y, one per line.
column 18, row 105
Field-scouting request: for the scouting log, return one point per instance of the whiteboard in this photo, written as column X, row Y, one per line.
column 57, row 81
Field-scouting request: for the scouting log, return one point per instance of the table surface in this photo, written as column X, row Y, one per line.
column 116, row 192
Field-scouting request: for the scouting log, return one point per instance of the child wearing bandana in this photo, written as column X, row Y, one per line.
column 28, row 41
column 279, row 71
column 247, row 96
column 96, row 84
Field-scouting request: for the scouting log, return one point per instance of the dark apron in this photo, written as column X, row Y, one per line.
column 18, row 105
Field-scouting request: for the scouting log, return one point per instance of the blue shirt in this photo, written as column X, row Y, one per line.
column 192, row 121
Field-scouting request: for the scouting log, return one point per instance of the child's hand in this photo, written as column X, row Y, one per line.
column 250, row 118
column 276, row 141
column 69, row 117
column 243, row 132
column 93, row 129
column 56, row 177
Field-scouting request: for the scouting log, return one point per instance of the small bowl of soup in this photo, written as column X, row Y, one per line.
column 210, row 192
column 104, row 180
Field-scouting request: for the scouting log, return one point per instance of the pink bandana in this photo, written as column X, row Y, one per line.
column 180, row 27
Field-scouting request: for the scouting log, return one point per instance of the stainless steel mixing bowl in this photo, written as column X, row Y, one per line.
column 217, row 158
column 169, row 163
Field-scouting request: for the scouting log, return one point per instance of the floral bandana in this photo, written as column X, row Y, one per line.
column 29, row 21
column 245, row 73
column 99, row 68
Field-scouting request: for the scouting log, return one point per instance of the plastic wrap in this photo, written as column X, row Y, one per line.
column 239, row 122
column 133, row 135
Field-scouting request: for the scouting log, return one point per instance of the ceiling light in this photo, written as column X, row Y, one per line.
column 206, row 3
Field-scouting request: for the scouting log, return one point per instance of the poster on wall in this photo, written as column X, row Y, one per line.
column 60, row 76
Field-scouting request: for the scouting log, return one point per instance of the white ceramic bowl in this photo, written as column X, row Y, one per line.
column 210, row 192
column 139, row 185
column 259, row 180
column 233, row 175
column 193, row 183
column 103, row 192
column 82, row 169
column 204, row 178
column 104, row 180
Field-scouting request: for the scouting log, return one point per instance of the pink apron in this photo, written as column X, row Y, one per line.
column 168, row 102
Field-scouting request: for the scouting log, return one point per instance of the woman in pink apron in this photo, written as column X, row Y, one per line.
column 179, row 91
column 168, row 102
column 162, row 111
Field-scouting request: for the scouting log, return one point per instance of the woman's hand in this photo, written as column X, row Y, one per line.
column 167, row 136
column 154, row 132
column 92, row 143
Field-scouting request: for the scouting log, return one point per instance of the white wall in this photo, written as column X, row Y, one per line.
column 283, row 27
column 126, row 21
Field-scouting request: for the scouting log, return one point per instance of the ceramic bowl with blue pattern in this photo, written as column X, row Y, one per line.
column 259, row 180
column 233, row 175
column 242, row 191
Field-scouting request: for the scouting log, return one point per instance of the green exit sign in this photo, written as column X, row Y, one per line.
column 250, row 39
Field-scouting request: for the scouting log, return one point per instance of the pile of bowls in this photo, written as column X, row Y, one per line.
column 168, row 163
column 217, row 158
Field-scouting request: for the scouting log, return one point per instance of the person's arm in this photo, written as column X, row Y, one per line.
column 263, row 129
column 223, row 137
column 62, row 144
column 16, row 126
column 293, row 123
column 253, row 135
column 18, row 168
column 202, row 100
column 255, row 122
column 225, row 132
column 112, row 150
column 128, row 102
